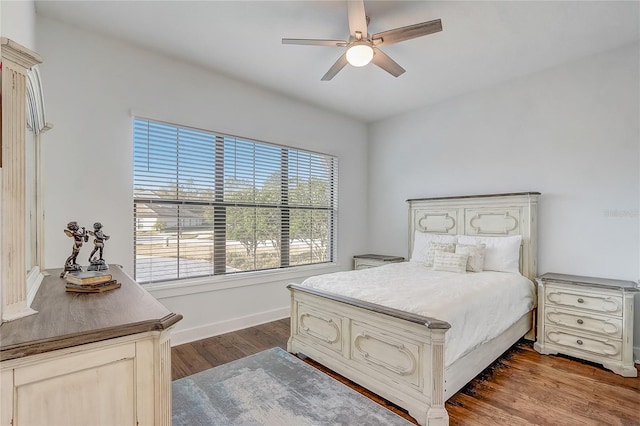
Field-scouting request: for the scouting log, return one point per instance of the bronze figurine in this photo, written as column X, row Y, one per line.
column 79, row 236
column 97, row 263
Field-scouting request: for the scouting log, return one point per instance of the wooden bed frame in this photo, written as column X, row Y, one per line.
column 399, row 355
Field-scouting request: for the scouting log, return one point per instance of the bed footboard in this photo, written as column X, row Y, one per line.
column 395, row 354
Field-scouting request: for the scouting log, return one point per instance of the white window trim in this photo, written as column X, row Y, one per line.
column 184, row 287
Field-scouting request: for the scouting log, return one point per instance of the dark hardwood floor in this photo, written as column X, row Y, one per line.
column 520, row 388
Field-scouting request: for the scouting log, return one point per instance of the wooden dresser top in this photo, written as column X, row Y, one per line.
column 70, row 319
column 590, row 281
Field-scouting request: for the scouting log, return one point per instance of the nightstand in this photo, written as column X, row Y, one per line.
column 366, row 261
column 588, row 318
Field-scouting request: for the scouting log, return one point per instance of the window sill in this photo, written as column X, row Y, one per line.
column 206, row 284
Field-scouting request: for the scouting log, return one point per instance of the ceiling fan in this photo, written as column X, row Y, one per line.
column 363, row 48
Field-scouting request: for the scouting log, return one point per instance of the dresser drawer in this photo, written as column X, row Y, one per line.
column 590, row 345
column 603, row 303
column 607, row 326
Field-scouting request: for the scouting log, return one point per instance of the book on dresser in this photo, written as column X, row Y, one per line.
column 90, row 282
column 93, row 288
column 87, row 277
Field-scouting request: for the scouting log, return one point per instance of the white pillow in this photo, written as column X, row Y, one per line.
column 476, row 256
column 421, row 241
column 434, row 247
column 452, row 262
column 502, row 254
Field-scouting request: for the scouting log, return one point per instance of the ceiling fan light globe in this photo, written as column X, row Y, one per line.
column 359, row 55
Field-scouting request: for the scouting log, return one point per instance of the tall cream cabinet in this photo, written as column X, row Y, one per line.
column 16, row 61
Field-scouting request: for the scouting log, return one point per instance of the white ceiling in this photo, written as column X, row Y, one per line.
column 482, row 43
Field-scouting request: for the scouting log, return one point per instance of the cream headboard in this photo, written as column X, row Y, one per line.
column 483, row 215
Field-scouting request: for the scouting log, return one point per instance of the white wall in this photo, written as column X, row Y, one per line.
column 18, row 22
column 93, row 82
column 571, row 133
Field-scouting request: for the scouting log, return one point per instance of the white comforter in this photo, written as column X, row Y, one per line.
column 479, row 306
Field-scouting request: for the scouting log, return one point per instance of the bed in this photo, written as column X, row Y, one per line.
column 411, row 358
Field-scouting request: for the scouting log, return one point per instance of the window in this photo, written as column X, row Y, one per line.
column 206, row 204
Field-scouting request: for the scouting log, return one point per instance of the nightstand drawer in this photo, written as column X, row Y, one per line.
column 366, row 261
column 607, row 326
column 591, row 345
column 600, row 303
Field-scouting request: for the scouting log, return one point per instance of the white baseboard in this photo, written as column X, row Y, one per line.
column 179, row 337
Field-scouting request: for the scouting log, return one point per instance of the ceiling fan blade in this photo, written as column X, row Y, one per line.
column 314, row 42
column 357, row 18
column 335, row 68
column 406, row 33
column 386, row 63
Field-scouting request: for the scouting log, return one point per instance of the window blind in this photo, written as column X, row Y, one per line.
column 207, row 203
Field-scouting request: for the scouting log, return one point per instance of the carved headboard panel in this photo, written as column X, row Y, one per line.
column 483, row 215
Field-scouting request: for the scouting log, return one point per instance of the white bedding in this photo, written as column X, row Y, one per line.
column 479, row 306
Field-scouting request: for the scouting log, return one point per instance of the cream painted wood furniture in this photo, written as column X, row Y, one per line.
column 588, row 318
column 16, row 60
column 88, row 359
column 365, row 261
column 400, row 355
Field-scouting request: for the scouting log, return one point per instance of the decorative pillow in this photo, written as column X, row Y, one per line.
column 421, row 241
column 452, row 262
column 502, row 253
column 434, row 247
column 476, row 256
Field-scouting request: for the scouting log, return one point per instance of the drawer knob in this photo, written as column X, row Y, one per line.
column 581, row 300
column 580, row 321
column 579, row 341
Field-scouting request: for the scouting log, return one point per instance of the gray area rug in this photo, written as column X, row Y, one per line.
column 272, row 388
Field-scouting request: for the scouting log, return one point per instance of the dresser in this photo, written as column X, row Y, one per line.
column 88, row 359
column 366, row 261
column 588, row 318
